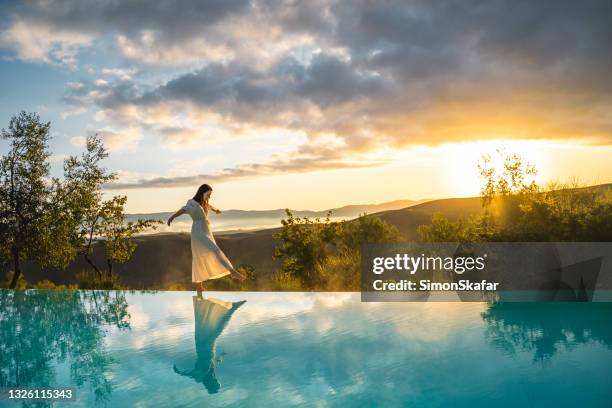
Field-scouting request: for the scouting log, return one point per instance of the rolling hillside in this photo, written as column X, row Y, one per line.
column 408, row 219
column 251, row 220
column 164, row 259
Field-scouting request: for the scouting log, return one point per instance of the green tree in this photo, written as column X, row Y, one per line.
column 92, row 218
column 25, row 193
column 50, row 220
column 561, row 213
column 341, row 265
column 110, row 227
column 323, row 254
column 512, row 176
column 78, row 194
column 303, row 245
column 442, row 229
column 367, row 229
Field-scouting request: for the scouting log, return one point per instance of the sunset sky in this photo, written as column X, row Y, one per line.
column 313, row 104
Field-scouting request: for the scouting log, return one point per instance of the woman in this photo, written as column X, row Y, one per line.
column 208, row 261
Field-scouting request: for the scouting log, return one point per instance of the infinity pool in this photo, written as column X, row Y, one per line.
column 164, row 349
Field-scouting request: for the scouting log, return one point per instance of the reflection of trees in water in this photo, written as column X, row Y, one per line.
column 39, row 328
column 211, row 317
column 542, row 328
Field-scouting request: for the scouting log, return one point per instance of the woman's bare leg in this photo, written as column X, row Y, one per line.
column 199, row 288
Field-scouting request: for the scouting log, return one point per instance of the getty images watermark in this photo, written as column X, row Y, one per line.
column 500, row 271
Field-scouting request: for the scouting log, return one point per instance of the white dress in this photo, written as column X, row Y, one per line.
column 208, row 261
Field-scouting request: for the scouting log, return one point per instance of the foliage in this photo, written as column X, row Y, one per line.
column 107, row 223
column 98, row 219
column 77, row 195
column 321, row 254
column 513, row 176
column 286, row 281
column 340, row 270
column 16, row 283
column 515, row 209
column 443, row 230
column 91, row 280
column 22, row 283
column 341, row 265
column 250, row 283
column 305, row 243
column 179, row 286
column 47, row 284
column 50, row 220
column 562, row 213
column 367, row 229
column 24, row 195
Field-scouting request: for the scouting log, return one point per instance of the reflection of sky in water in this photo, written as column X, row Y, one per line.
column 331, row 349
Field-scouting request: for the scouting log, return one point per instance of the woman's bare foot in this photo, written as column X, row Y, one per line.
column 199, row 288
column 237, row 276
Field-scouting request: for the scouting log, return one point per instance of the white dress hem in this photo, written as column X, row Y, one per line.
column 214, row 277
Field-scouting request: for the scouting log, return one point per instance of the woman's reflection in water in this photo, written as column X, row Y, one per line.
column 211, row 316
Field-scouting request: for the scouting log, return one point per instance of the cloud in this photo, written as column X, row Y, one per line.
column 78, row 141
column 147, row 49
column 124, row 139
column 72, row 112
column 200, row 132
column 159, row 32
column 325, row 153
column 34, row 42
column 272, row 167
column 183, row 167
column 174, row 137
column 114, row 140
column 210, row 105
column 124, row 74
column 365, row 75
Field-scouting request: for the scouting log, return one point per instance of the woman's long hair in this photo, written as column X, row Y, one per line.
column 200, row 193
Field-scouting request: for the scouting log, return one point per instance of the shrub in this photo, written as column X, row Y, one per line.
column 321, row 254
column 91, row 280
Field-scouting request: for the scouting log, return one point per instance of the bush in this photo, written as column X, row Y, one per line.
column 287, row 281
column 179, row 286
column 442, row 229
column 565, row 213
column 325, row 255
column 91, row 280
column 22, row 283
column 341, row 270
column 304, row 244
column 561, row 213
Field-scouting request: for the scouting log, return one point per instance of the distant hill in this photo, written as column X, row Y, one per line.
column 408, row 219
column 241, row 220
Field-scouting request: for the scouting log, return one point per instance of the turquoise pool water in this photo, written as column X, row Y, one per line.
column 122, row 349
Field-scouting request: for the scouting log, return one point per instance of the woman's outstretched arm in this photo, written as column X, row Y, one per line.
column 214, row 209
column 176, row 214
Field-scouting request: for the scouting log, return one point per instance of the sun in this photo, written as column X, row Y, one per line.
column 462, row 160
